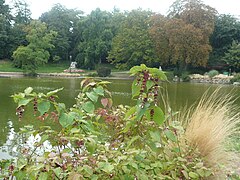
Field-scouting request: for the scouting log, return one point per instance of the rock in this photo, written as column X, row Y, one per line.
column 218, row 79
column 236, row 83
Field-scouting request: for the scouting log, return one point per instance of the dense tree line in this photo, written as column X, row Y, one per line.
column 191, row 35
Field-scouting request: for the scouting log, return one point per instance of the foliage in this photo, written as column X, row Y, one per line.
column 103, row 71
column 100, row 141
column 185, row 77
column 5, row 27
column 178, row 42
column 133, row 45
column 36, row 52
column 212, row 73
column 236, row 78
column 64, row 22
column 232, row 56
column 94, row 33
column 182, row 38
column 226, row 30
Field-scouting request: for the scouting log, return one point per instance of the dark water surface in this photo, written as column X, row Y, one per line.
column 179, row 94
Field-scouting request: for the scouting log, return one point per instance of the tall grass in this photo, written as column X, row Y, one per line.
column 209, row 125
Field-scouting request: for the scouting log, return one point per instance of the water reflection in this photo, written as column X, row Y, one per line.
column 5, row 149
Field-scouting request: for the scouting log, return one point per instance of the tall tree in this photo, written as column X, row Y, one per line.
column 232, row 56
column 95, row 37
column 185, row 33
column 21, row 19
column 133, row 45
column 227, row 30
column 5, row 28
column 64, row 22
column 36, row 52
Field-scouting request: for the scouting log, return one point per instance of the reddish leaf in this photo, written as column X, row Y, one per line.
column 104, row 102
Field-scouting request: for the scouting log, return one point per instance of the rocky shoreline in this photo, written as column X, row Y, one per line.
column 218, row 79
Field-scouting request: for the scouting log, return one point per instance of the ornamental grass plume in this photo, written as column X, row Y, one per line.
column 210, row 124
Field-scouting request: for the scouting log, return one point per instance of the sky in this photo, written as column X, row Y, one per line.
column 161, row 6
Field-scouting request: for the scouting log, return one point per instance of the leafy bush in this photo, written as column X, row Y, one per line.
column 185, row 77
column 213, row 73
column 236, row 78
column 104, row 71
column 100, row 141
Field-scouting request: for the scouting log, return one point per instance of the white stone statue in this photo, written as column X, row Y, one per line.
column 73, row 65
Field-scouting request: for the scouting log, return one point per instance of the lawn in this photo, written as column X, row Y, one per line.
column 6, row 66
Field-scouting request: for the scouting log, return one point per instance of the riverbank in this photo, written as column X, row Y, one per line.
column 114, row 75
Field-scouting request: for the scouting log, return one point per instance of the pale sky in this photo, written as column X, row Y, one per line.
column 161, row 6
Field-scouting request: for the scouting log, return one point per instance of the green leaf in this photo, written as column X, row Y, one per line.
column 130, row 112
column 88, row 170
column 28, row 90
column 134, row 70
column 126, row 170
column 88, row 107
column 91, row 145
column 43, row 176
column 158, row 73
column 185, row 174
column 43, row 107
column 99, row 90
column 132, row 141
column 135, row 89
column 149, row 84
column 66, row 119
column 23, row 102
column 170, row 135
column 158, row 115
column 54, row 92
column 57, row 171
column 104, row 83
column 193, row 175
column 106, row 167
column 44, row 138
column 156, row 136
column 93, row 96
column 141, row 111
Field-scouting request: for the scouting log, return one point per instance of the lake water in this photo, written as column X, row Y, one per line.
column 180, row 94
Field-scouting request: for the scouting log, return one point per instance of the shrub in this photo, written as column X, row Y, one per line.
column 103, row 71
column 236, row 78
column 213, row 73
column 185, row 77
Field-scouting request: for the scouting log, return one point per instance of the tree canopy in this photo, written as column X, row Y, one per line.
column 182, row 38
column 64, row 22
column 132, row 45
column 95, row 35
column 36, row 52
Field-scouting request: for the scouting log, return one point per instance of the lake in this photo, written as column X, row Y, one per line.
column 180, row 94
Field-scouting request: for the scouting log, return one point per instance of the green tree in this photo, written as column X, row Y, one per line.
column 95, row 38
column 21, row 18
column 232, row 56
column 133, row 45
column 36, row 52
column 227, row 30
column 5, row 28
column 64, row 22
